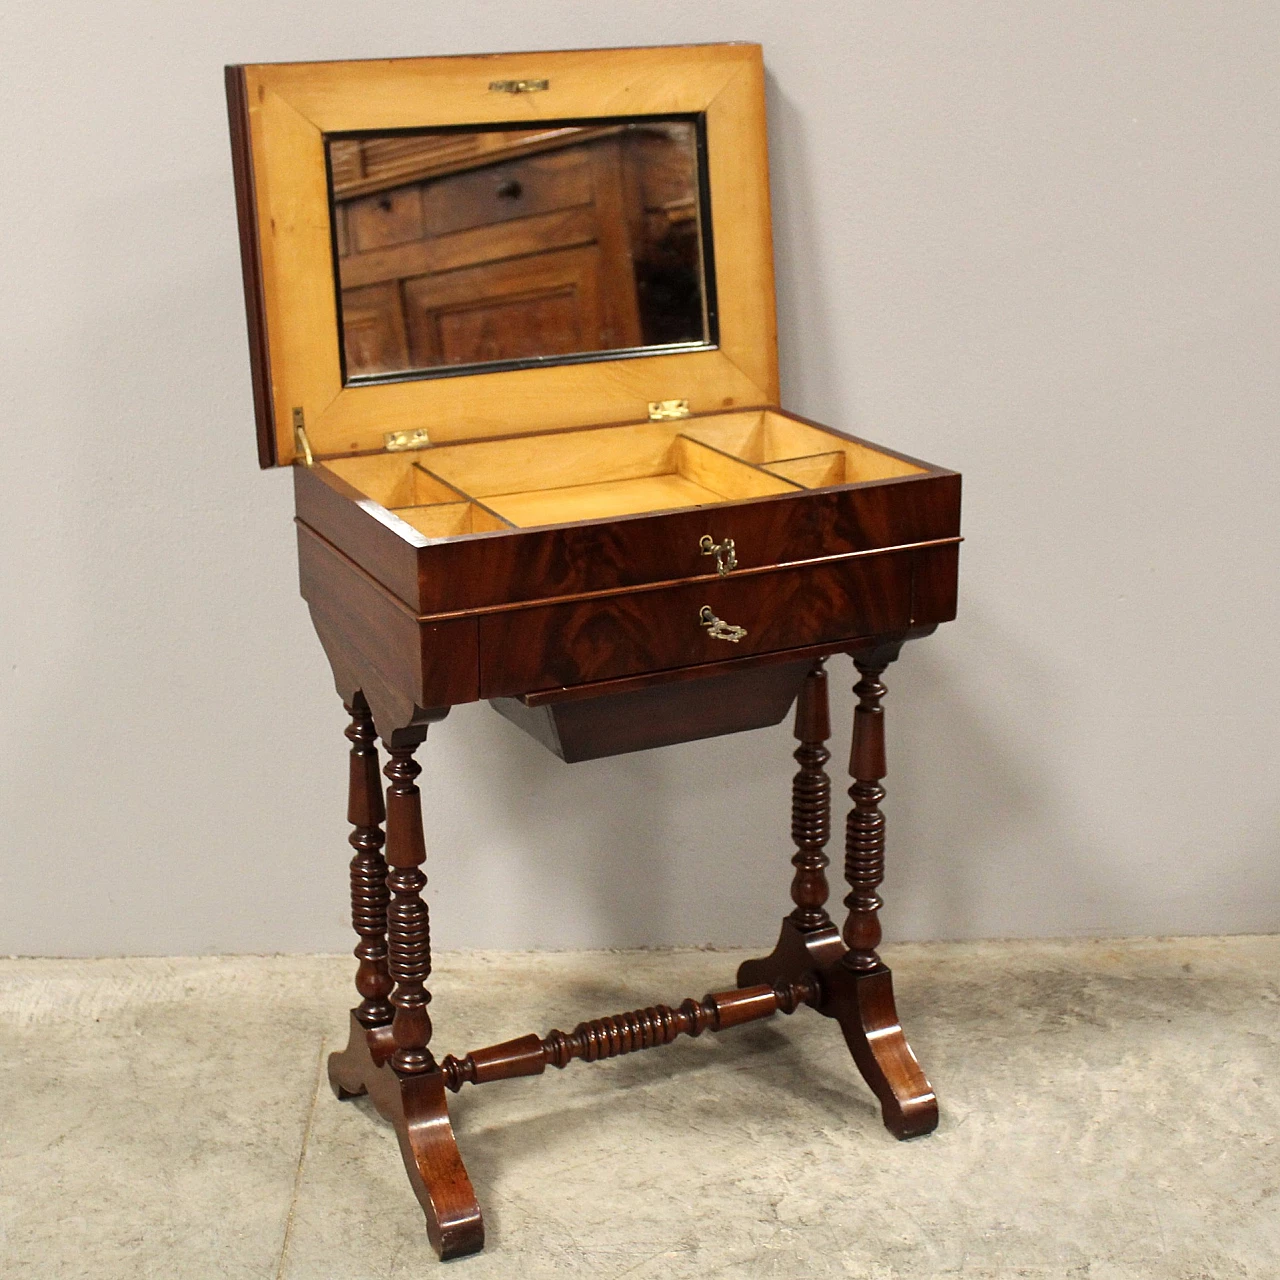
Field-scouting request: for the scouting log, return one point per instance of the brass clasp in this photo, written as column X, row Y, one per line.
column 518, row 86
column 726, row 556
column 717, row 629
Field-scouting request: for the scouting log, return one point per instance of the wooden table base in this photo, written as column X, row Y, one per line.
column 415, row 1106
column 835, row 971
column 862, row 1003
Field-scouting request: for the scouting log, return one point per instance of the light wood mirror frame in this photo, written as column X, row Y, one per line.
column 280, row 114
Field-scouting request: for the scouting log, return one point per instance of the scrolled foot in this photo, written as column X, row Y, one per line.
column 415, row 1105
column 863, row 1004
column 350, row 1069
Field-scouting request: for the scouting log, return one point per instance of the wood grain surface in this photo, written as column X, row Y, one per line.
column 567, row 644
column 660, row 714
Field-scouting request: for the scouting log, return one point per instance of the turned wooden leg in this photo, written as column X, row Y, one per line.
column 811, row 803
column 855, row 988
column 864, row 832
column 859, row 988
column 408, row 923
column 809, row 941
column 391, row 1060
column 369, row 895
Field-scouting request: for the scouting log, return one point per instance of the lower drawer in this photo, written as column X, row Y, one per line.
column 652, row 630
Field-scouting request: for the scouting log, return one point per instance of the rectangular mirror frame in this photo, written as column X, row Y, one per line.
column 280, row 114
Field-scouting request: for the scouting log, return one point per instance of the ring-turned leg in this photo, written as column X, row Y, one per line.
column 391, row 1059
column 369, row 894
column 809, row 941
column 860, row 987
column 369, row 897
column 811, row 804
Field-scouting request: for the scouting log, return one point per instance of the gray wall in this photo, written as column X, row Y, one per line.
column 1035, row 242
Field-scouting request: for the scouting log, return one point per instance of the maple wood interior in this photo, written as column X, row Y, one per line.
column 282, row 116
column 522, row 482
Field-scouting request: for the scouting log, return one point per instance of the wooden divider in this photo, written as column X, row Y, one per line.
column 524, row 482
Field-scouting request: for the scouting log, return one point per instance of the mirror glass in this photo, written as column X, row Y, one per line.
column 508, row 247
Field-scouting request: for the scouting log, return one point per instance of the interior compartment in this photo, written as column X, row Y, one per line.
column 523, row 482
column 788, row 447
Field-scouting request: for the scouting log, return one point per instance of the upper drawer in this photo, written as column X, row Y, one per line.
column 603, row 509
column 602, row 638
column 780, row 530
column 537, row 564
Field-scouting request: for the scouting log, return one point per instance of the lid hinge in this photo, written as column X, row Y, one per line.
column 399, row 441
column 668, row 410
column 301, row 445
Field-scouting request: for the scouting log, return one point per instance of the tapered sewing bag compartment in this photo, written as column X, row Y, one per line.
column 513, row 319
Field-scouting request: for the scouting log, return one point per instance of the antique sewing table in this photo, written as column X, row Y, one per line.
column 511, row 320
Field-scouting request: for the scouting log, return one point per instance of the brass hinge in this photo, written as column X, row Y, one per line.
column 667, row 410
column 399, row 441
column 301, row 445
column 518, row 86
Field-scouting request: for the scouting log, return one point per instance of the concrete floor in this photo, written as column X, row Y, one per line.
column 1109, row 1110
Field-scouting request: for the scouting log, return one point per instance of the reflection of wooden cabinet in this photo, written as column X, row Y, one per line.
column 544, row 254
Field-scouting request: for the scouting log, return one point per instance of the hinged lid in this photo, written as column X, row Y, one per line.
column 442, row 249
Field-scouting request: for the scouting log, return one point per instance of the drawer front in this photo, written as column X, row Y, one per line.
column 504, row 192
column 599, row 639
column 373, row 328
column 605, row 555
column 377, row 222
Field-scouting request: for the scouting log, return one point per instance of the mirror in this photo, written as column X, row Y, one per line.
column 509, row 247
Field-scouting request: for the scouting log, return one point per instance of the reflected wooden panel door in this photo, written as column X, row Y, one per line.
column 548, row 305
column 373, row 328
